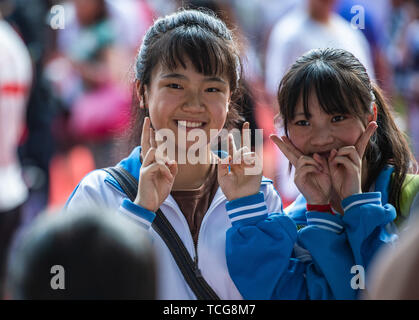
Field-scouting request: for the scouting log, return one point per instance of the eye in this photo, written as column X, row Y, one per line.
column 213, row 90
column 302, row 123
column 338, row 118
column 174, row 86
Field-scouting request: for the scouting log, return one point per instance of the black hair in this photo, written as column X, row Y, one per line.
column 103, row 256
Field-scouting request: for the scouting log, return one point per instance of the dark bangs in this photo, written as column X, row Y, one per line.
column 337, row 91
column 206, row 51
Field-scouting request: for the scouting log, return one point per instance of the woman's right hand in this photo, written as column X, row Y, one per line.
column 157, row 173
column 312, row 176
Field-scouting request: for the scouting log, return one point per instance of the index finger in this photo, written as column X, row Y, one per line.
column 363, row 140
column 145, row 137
column 153, row 138
column 246, row 137
column 231, row 145
column 287, row 148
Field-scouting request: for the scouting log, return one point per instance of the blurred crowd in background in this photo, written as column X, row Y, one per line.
column 66, row 85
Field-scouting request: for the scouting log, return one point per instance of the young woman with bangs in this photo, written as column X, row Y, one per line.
column 354, row 170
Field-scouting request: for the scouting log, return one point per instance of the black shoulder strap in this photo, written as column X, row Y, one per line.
column 165, row 230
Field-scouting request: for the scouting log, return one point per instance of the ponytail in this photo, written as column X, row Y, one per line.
column 388, row 146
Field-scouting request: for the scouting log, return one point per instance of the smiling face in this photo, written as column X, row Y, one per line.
column 185, row 99
column 321, row 132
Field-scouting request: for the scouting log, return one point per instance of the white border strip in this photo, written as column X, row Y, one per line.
column 325, row 221
column 249, row 215
column 326, row 228
column 247, row 207
column 360, row 202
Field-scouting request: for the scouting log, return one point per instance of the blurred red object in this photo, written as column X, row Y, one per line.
column 101, row 114
column 66, row 171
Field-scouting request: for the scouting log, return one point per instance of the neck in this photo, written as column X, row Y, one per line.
column 192, row 176
column 319, row 16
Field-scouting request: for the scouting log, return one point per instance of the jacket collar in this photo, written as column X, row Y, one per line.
column 382, row 183
column 132, row 163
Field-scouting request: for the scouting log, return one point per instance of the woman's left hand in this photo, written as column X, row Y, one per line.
column 245, row 174
column 345, row 164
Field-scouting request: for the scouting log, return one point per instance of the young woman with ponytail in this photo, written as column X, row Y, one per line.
column 355, row 173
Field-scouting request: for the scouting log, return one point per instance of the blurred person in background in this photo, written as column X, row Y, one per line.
column 370, row 18
column 98, row 254
column 131, row 19
column 29, row 19
column 310, row 25
column 15, row 82
column 411, row 74
column 97, row 104
column 92, row 75
column 403, row 54
column 258, row 17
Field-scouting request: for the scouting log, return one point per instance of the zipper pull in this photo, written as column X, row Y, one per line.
column 196, row 269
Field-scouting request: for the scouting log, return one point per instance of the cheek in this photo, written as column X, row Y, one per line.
column 298, row 137
column 350, row 139
column 219, row 115
column 349, row 135
column 160, row 112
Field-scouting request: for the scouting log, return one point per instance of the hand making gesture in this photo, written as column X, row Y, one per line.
column 240, row 174
column 345, row 164
column 312, row 176
column 157, row 172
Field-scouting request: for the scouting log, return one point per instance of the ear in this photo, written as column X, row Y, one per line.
column 139, row 96
column 373, row 116
column 138, row 91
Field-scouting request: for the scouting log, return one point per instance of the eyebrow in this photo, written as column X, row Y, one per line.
column 301, row 114
column 181, row 76
column 174, row 75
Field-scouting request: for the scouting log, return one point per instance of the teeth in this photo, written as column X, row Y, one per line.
column 189, row 124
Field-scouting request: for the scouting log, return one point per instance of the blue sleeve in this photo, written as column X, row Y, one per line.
column 338, row 243
column 366, row 221
column 317, row 286
column 328, row 274
column 137, row 214
column 259, row 247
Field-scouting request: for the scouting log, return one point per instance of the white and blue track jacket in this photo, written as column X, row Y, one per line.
column 269, row 259
column 99, row 188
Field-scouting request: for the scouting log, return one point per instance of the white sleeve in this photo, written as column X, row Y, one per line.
column 94, row 191
column 273, row 200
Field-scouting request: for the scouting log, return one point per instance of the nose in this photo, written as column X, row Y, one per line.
column 193, row 103
column 321, row 136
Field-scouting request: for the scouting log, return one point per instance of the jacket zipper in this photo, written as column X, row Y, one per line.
column 185, row 225
column 213, row 205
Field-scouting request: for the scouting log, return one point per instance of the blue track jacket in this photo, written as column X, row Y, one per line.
column 269, row 259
